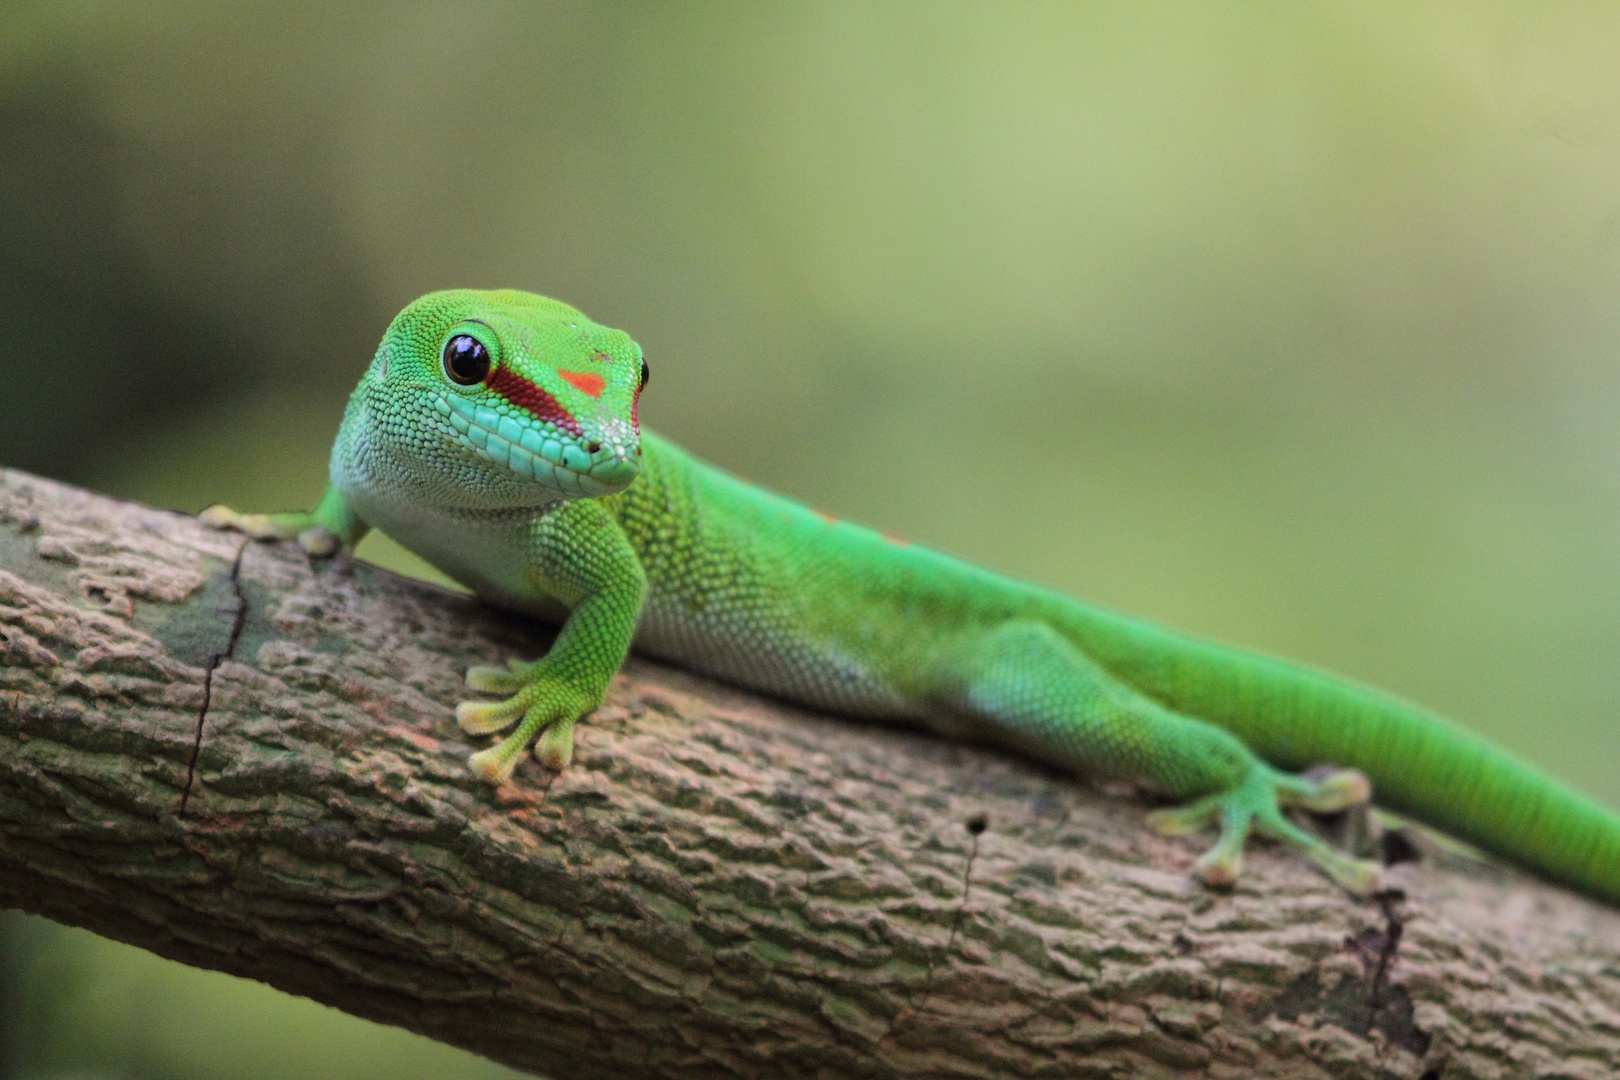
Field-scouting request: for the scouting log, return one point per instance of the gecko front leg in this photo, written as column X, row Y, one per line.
column 579, row 555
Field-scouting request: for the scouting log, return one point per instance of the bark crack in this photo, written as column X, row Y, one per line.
column 1394, row 926
column 238, row 620
column 1389, row 1007
column 975, row 827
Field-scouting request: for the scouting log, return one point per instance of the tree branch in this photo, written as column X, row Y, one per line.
column 213, row 750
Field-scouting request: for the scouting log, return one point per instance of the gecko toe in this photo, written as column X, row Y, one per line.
column 1185, row 820
column 494, row 765
column 492, row 680
column 497, row 680
column 1338, row 790
column 555, row 747
column 319, row 541
column 484, row 717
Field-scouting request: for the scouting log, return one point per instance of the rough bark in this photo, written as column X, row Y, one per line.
column 719, row 886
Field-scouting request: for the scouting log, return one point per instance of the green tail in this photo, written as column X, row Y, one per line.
column 1419, row 763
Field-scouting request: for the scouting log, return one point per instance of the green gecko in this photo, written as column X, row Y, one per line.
column 496, row 435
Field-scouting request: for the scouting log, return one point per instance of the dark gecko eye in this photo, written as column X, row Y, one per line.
column 645, row 375
column 466, row 361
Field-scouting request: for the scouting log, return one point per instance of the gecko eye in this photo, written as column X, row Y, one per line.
column 466, row 361
column 645, row 375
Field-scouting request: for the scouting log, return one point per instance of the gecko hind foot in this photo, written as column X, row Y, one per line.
column 1256, row 805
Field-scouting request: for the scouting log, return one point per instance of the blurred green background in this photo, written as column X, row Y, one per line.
column 1294, row 324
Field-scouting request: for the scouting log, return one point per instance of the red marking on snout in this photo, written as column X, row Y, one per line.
column 585, row 382
column 533, row 400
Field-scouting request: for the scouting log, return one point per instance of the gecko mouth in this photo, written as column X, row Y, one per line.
column 537, row 452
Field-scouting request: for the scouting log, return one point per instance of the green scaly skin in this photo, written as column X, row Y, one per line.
column 495, row 434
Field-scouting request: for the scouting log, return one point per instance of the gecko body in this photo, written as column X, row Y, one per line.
column 497, row 435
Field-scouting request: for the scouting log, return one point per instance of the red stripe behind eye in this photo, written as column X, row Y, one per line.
column 529, row 397
column 585, row 382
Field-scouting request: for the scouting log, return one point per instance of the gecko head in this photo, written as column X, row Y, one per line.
column 507, row 397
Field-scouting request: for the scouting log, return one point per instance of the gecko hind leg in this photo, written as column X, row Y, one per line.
column 1023, row 684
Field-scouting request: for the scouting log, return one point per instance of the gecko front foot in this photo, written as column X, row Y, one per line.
column 544, row 708
column 1257, row 804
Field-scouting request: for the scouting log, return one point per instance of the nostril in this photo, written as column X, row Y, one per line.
column 591, row 448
